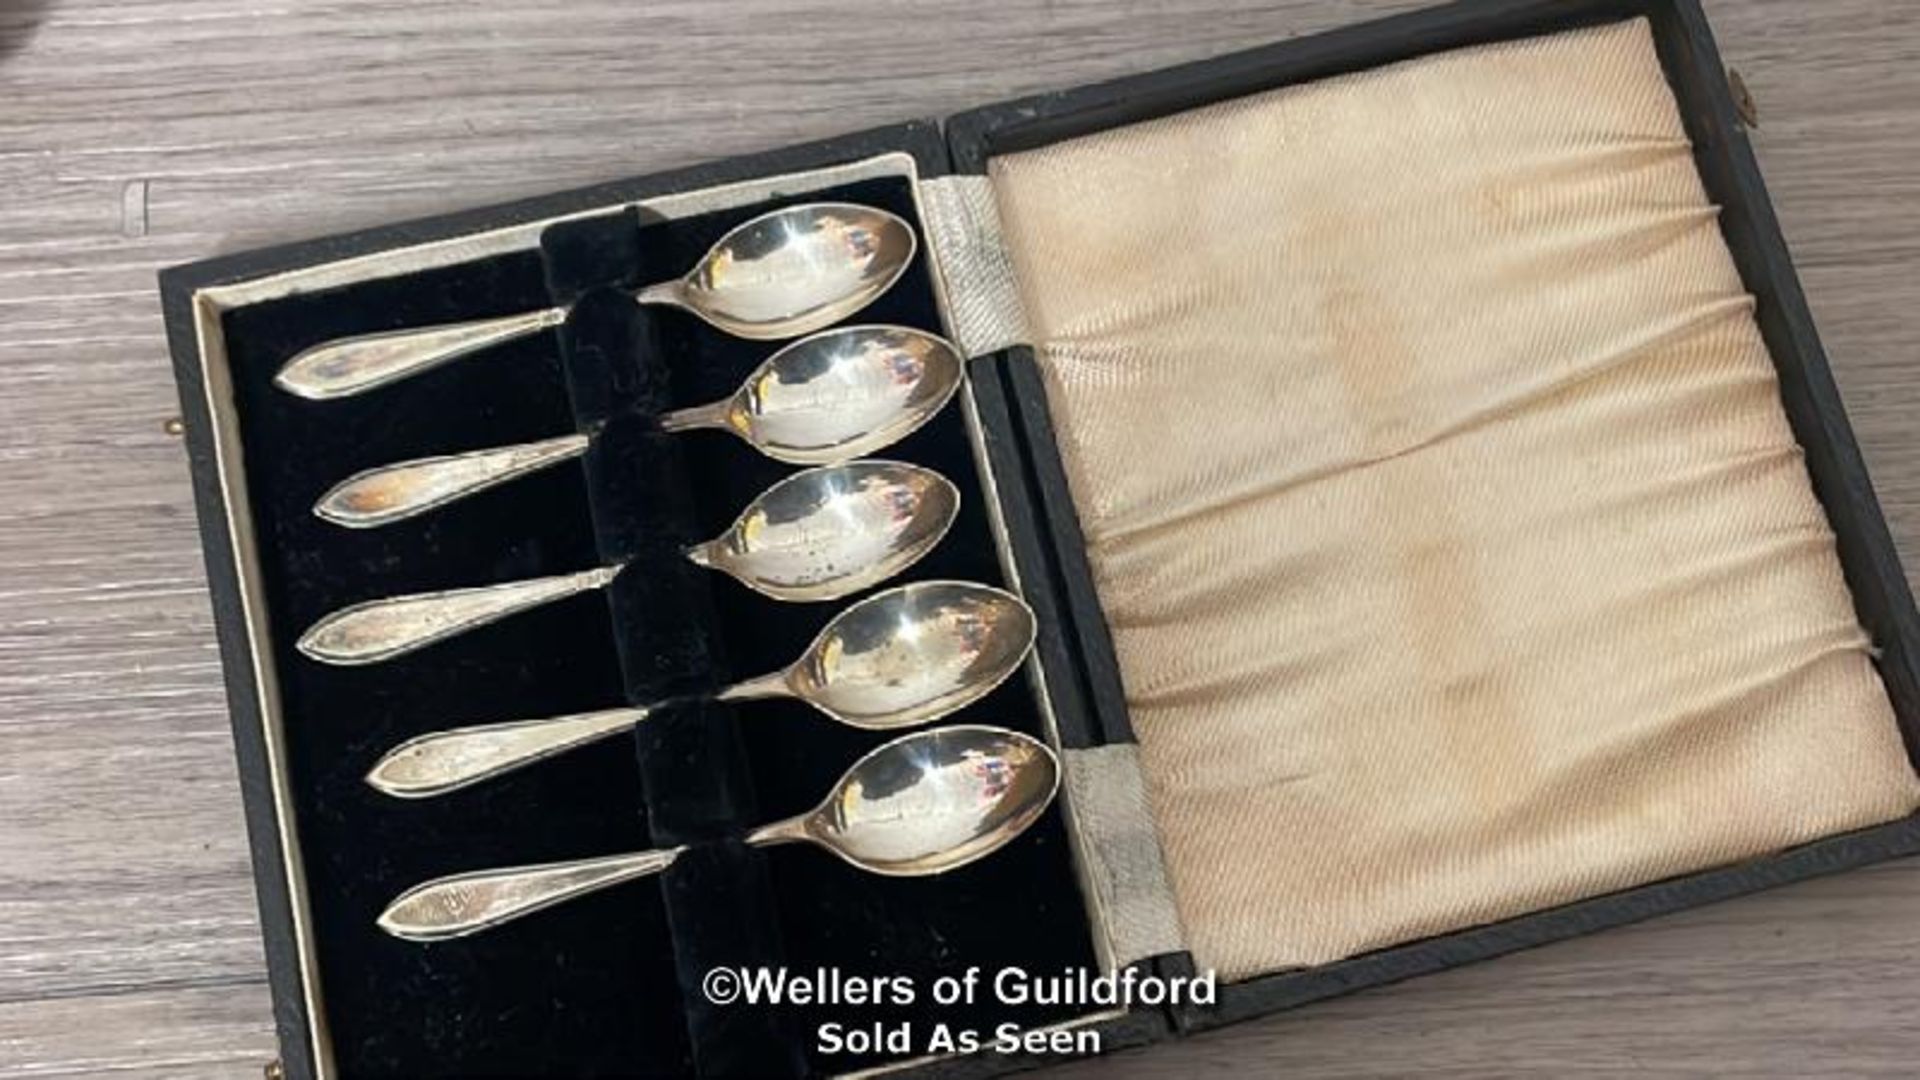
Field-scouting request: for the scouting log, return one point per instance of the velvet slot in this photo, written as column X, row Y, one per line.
column 582, row 984
column 1022, row 906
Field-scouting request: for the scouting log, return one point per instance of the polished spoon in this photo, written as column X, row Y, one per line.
column 780, row 275
column 897, row 659
column 923, row 804
column 820, row 534
column 831, row 397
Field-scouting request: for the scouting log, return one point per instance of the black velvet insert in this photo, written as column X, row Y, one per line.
column 608, row 984
column 756, row 762
column 584, row 985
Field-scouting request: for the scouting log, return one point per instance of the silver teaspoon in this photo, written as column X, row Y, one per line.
column 782, row 274
column 816, row 535
column 831, row 397
column 897, row 659
column 922, row 804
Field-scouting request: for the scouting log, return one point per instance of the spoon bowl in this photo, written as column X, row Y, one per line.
column 935, row 801
column 827, row 533
column 836, row 395
column 790, row 272
column 923, row 804
column 907, row 655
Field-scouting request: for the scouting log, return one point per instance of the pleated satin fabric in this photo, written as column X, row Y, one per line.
column 1459, row 557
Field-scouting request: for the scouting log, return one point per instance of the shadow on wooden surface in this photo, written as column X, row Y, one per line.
column 18, row 20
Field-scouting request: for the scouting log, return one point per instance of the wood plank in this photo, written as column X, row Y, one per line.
column 208, row 1031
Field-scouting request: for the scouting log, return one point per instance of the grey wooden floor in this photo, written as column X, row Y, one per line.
column 139, row 133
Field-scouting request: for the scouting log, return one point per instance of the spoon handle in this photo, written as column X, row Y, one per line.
column 716, row 415
column 444, row 761
column 462, row 904
column 354, row 365
column 383, row 629
column 792, row 830
column 665, row 294
column 774, row 684
column 406, row 489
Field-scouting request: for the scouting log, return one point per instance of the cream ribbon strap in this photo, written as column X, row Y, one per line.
column 982, row 301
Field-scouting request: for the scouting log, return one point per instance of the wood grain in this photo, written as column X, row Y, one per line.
column 141, row 133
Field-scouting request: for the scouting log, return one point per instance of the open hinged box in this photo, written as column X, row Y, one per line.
column 1444, row 533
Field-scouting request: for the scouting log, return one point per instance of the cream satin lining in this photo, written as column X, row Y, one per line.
column 1458, row 554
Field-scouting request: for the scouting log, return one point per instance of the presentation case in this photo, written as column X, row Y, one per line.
column 612, row 985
